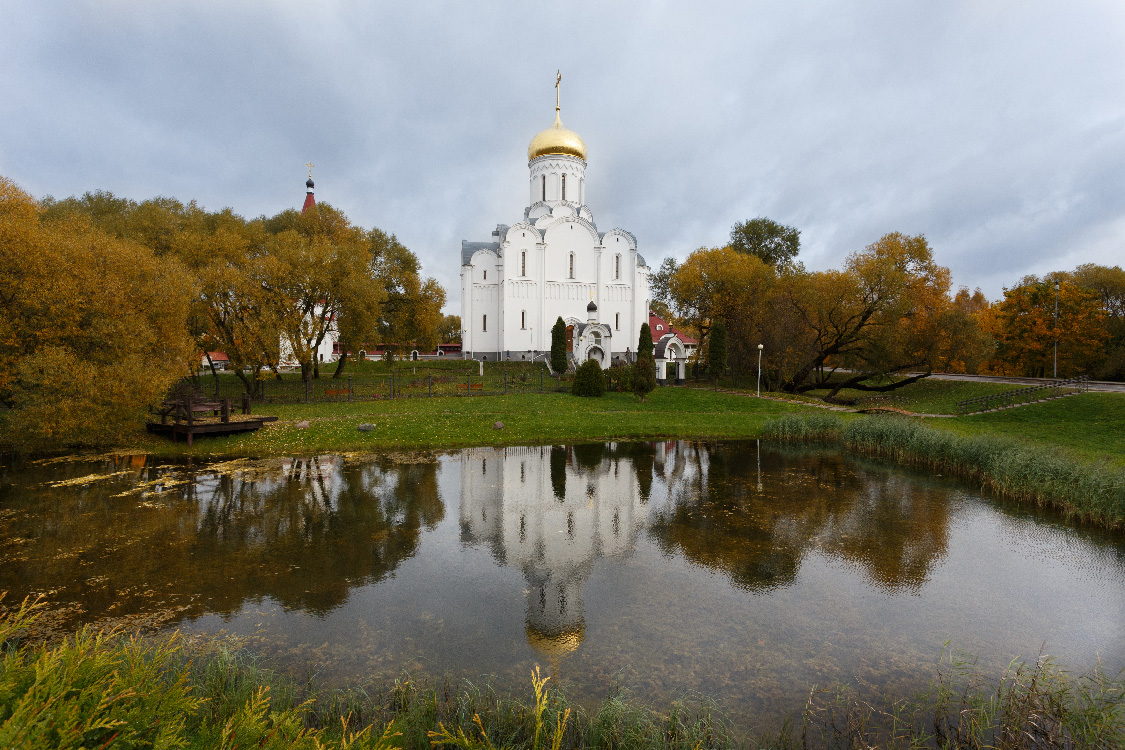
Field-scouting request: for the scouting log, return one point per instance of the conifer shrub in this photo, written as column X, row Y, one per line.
column 558, row 346
column 589, row 380
column 644, row 369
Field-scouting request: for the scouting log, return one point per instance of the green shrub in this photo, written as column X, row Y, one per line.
column 619, row 378
column 589, row 380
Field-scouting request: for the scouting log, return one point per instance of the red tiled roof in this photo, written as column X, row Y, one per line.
column 310, row 201
column 655, row 320
column 218, row 356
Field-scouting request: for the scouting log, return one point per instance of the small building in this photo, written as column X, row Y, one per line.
column 670, row 346
column 219, row 359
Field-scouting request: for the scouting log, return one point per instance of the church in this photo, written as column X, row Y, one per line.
column 554, row 263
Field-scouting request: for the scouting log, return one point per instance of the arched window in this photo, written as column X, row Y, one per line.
column 660, row 328
column 617, row 322
column 523, row 263
column 617, row 266
column 572, row 265
column 523, row 319
column 486, row 275
column 544, row 187
column 596, row 338
column 564, row 187
column 484, row 322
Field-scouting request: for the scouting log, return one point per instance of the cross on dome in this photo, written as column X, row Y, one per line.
column 557, row 139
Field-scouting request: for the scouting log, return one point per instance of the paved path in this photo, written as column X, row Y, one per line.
column 1095, row 385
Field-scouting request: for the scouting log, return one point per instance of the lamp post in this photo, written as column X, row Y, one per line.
column 760, row 347
column 1056, row 331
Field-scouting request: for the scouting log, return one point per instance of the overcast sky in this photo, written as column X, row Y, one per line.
column 997, row 129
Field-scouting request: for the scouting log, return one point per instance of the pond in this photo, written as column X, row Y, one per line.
column 741, row 571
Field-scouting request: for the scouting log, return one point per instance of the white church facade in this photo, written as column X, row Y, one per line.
column 554, row 263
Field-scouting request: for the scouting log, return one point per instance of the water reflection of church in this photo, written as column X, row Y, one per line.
column 552, row 512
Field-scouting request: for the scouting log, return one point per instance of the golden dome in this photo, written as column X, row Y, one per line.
column 557, row 139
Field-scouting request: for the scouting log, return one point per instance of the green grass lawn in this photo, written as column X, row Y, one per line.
column 405, row 424
column 1091, row 426
column 928, row 396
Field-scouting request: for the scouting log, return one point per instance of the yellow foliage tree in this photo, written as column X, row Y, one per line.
column 92, row 331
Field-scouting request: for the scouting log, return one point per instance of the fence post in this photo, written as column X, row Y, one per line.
column 469, row 385
column 391, row 385
column 540, row 381
column 306, row 390
column 430, row 384
column 505, row 381
column 349, row 389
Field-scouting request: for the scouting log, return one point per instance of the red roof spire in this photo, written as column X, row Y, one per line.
column 310, row 200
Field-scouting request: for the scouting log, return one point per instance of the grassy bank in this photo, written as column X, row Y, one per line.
column 98, row 690
column 1018, row 469
column 1090, row 426
column 405, row 424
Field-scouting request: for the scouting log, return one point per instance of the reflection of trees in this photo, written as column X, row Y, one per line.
column 303, row 532
column 716, row 516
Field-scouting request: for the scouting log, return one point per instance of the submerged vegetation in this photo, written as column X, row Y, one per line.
column 1006, row 466
column 98, row 689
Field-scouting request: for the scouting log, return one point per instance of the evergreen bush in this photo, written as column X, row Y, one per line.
column 558, row 346
column 589, row 380
column 644, row 369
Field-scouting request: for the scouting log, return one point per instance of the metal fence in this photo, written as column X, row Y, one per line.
column 1053, row 389
column 375, row 387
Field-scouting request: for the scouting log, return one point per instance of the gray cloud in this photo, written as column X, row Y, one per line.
column 995, row 128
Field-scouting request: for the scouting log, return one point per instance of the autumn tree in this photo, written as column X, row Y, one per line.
column 881, row 315
column 659, row 285
column 92, row 327
column 450, row 329
column 1028, row 329
column 1109, row 284
column 410, row 315
column 775, row 244
column 717, row 351
column 720, row 283
column 322, row 267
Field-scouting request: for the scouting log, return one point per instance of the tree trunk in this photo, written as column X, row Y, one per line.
column 341, row 362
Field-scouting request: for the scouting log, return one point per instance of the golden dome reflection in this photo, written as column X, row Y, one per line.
column 558, row 644
column 557, row 139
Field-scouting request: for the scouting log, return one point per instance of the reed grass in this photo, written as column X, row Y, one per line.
column 1005, row 466
column 106, row 690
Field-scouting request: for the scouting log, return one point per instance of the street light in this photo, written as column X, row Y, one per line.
column 760, row 347
column 1056, row 330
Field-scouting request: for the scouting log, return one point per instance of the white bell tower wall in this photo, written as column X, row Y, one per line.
column 555, row 178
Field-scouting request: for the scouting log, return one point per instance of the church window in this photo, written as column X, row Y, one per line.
column 572, row 265
column 523, row 319
column 484, row 322
column 544, row 187
column 523, row 263
column 617, row 322
column 564, row 187
column 617, row 266
column 486, row 275
column 660, row 328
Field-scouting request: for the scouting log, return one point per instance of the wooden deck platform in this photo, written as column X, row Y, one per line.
column 189, row 431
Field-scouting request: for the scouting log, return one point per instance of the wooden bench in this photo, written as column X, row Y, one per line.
column 336, row 392
column 465, row 386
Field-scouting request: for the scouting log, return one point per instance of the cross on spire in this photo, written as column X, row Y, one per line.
column 310, row 165
column 558, row 80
